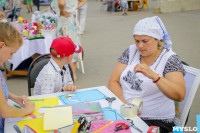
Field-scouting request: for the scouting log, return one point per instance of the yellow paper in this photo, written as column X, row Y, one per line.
column 36, row 124
column 57, row 117
column 45, row 102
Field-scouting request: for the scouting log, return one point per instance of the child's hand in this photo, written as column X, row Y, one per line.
column 21, row 100
column 71, row 87
column 29, row 107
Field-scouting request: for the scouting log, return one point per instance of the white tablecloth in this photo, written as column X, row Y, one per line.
column 30, row 47
column 8, row 128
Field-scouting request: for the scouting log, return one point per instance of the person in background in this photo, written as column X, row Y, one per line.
column 29, row 6
column 10, row 42
column 2, row 16
column 124, row 6
column 38, row 5
column 2, row 19
column 8, row 8
column 150, row 70
column 3, row 4
column 55, row 76
column 82, row 13
column 67, row 24
column 111, row 6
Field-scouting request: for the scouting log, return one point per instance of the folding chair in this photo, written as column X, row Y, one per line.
column 192, row 81
column 81, row 62
column 35, row 68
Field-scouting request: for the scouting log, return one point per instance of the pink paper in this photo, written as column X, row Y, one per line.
column 109, row 129
column 85, row 112
column 32, row 115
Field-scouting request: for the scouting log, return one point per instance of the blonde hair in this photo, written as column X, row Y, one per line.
column 9, row 35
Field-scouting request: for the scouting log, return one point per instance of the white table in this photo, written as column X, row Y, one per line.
column 8, row 128
column 30, row 47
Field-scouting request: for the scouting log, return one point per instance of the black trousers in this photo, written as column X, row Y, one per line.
column 164, row 126
column 38, row 5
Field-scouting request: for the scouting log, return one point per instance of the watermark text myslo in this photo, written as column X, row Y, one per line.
column 179, row 128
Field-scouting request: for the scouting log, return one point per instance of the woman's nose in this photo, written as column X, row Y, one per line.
column 140, row 44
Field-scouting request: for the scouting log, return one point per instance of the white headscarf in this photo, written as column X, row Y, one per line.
column 155, row 28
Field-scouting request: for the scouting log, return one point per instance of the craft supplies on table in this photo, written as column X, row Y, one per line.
column 132, row 110
column 81, row 97
column 92, row 111
column 96, row 126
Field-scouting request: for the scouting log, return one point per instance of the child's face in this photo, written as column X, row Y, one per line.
column 7, row 52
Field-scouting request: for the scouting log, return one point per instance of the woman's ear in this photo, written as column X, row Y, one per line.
column 2, row 44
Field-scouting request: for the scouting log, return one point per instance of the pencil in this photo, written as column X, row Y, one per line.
column 17, row 106
column 103, row 127
column 37, row 100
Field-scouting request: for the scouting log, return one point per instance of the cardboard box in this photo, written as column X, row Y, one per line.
column 156, row 10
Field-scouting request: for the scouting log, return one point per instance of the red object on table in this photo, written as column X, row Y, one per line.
column 153, row 129
column 121, row 126
column 25, row 21
column 35, row 24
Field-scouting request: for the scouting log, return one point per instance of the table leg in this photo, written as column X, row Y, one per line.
column 9, row 72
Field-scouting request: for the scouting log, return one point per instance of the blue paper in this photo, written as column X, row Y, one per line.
column 111, row 114
column 81, row 97
column 198, row 123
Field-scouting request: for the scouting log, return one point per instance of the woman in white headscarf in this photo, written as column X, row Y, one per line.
column 150, row 70
column 68, row 24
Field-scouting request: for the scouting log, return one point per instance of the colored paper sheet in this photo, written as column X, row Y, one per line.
column 44, row 102
column 58, row 117
column 198, row 123
column 111, row 114
column 109, row 129
column 35, row 124
column 81, row 97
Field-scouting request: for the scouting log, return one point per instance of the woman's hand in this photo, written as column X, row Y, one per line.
column 146, row 71
column 71, row 87
column 29, row 107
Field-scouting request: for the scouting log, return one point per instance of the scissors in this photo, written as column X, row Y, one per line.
column 110, row 100
column 132, row 125
column 120, row 126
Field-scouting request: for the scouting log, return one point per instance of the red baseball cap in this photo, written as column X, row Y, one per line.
column 64, row 46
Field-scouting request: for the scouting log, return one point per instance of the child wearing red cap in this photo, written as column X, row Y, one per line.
column 55, row 76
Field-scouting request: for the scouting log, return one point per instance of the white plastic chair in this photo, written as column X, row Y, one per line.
column 192, row 81
column 81, row 61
